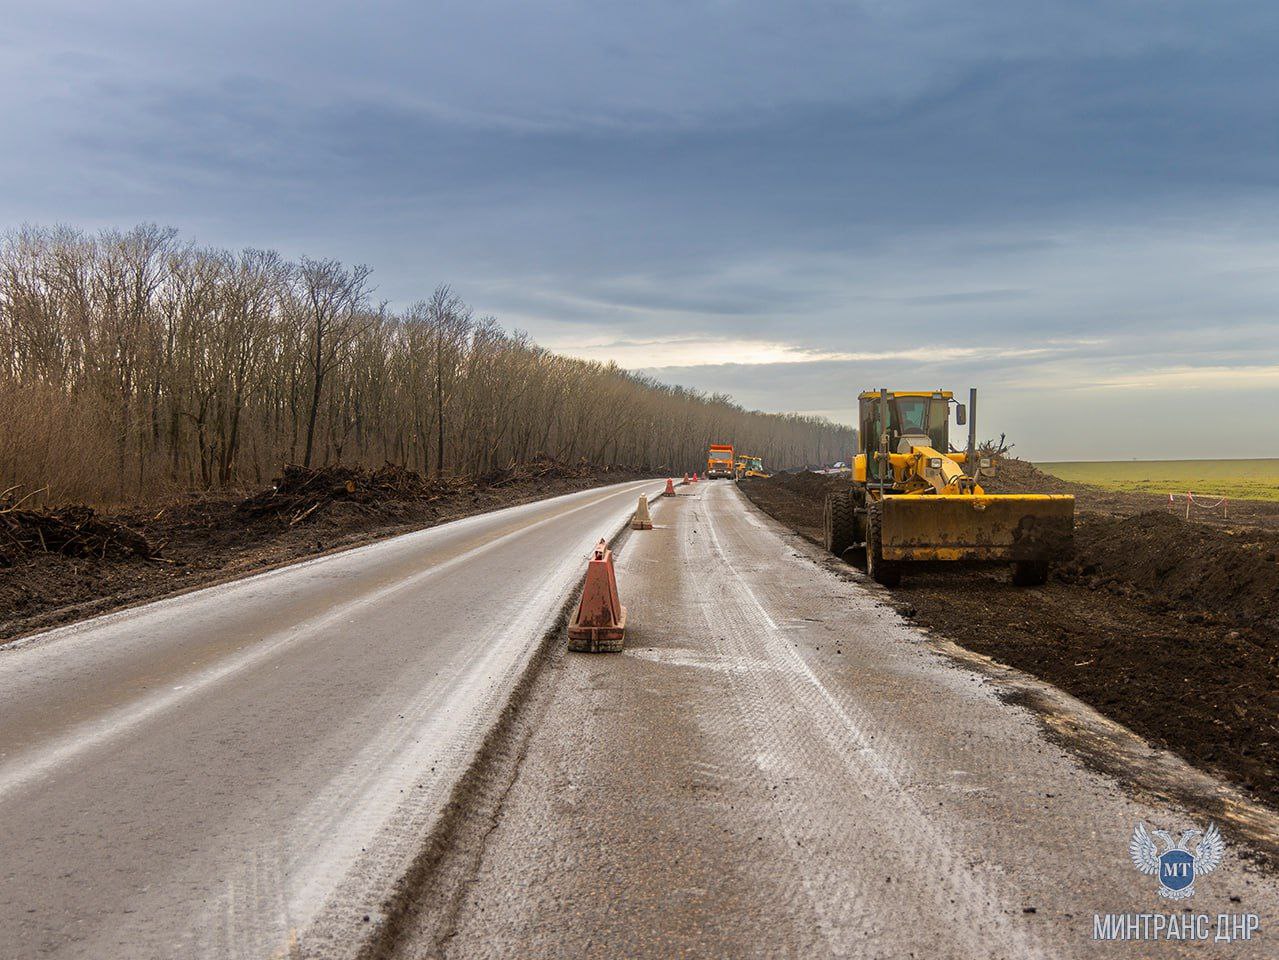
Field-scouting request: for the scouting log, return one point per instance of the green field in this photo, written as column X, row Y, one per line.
column 1238, row 479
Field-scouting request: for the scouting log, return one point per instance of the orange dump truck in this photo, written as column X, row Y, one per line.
column 719, row 461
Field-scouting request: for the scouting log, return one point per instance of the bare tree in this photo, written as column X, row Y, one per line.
column 334, row 297
column 450, row 319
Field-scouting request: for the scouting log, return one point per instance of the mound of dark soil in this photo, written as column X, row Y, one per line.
column 1021, row 476
column 1229, row 574
column 796, row 499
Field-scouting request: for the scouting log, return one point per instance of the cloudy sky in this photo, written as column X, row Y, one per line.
column 1072, row 205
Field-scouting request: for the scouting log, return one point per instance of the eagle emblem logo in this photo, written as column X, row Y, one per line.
column 1177, row 866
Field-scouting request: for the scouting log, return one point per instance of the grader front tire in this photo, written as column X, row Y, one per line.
column 885, row 572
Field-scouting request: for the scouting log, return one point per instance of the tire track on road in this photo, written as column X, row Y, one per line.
column 837, row 755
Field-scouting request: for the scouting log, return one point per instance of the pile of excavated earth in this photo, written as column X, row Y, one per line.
column 1168, row 626
column 58, row 565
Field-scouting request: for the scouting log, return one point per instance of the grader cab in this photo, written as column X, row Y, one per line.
column 913, row 498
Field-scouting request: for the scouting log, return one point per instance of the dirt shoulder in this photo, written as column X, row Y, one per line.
column 1169, row 627
column 64, row 565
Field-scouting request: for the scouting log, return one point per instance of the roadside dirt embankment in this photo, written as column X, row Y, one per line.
column 1167, row 626
column 61, row 565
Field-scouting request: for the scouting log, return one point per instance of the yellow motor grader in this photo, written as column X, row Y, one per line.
column 748, row 466
column 914, row 498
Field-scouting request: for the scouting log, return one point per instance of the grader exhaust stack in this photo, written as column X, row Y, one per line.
column 909, row 501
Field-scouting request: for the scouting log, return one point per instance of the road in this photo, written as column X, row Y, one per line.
column 779, row 766
column 225, row 773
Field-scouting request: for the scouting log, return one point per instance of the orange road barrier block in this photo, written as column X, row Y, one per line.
column 686, row 480
column 694, row 476
column 670, row 488
column 642, row 520
column 599, row 626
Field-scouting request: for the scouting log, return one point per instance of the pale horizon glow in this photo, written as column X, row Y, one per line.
column 691, row 352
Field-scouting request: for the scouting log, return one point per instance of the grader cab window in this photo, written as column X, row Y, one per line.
column 912, row 415
column 927, row 416
column 939, row 424
column 923, row 415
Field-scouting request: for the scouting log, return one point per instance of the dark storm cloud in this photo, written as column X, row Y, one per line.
column 1079, row 192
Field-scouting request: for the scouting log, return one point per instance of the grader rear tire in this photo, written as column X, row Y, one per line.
column 885, row 572
column 838, row 523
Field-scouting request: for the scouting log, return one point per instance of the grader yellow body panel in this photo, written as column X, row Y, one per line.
column 1012, row 528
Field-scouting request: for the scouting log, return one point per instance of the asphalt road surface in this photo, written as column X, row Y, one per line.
column 778, row 765
column 225, row 773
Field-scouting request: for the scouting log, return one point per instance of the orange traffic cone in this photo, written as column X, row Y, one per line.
column 642, row 520
column 599, row 626
column 670, row 488
column 694, row 476
column 686, row 480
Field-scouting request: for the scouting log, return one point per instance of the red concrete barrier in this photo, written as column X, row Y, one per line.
column 599, row 625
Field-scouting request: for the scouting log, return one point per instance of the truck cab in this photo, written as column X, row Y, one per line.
column 719, row 461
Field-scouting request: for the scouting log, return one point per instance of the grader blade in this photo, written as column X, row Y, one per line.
column 1018, row 528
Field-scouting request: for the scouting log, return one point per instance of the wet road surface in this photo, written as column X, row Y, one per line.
column 238, row 770
column 778, row 766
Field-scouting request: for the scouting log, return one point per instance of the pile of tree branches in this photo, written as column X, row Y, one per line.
column 540, row 469
column 995, row 448
column 299, row 492
column 72, row 531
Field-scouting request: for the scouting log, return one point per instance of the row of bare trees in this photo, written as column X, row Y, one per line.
column 133, row 364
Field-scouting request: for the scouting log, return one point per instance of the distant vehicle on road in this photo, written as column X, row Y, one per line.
column 748, row 466
column 719, row 461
